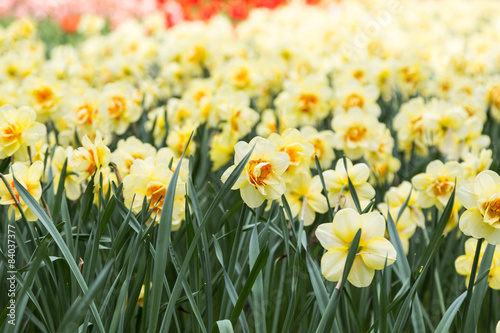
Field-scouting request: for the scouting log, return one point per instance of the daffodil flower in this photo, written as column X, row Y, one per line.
column 436, row 184
column 261, row 178
column 18, row 131
column 373, row 251
column 29, row 178
column 482, row 201
column 463, row 264
column 337, row 184
column 304, row 196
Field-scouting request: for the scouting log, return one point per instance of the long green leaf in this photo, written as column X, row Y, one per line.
column 49, row 225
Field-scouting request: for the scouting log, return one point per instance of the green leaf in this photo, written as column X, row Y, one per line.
column 247, row 287
column 402, row 267
column 352, row 190
column 447, row 320
column 224, row 326
column 162, row 246
column 77, row 311
column 477, row 291
column 226, row 188
column 259, row 311
column 325, row 192
column 438, row 231
column 49, row 225
column 317, row 283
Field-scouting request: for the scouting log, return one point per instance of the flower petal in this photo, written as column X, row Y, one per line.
column 376, row 252
column 346, row 224
column 328, row 239
column 360, row 274
column 251, row 195
column 332, row 264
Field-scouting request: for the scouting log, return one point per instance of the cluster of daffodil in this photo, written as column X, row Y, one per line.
column 293, row 93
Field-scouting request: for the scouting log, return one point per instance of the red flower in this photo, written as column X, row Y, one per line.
column 69, row 23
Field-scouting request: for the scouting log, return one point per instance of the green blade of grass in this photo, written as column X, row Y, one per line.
column 49, row 225
column 162, row 246
column 477, row 291
column 223, row 326
column 260, row 261
column 447, row 320
column 223, row 192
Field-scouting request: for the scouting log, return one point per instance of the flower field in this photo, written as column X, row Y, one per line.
column 250, row 167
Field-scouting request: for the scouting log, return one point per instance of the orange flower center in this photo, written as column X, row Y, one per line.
column 354, row 100
column 410, row 74
column 307, row 102
column 356, row 134
column 84, row 115
column 44, row 95
column 10, row 132
column 359, row 74
column 491, row 209
column 241, row 76
column 234, row 121
column 116, row 107
column 258, row 170
column 16, row 194
column 295, row 153
column 157, row 193
column 199, row 95
column 92, row 167
column 442, row 186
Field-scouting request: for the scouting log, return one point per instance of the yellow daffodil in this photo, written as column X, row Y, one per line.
column 475, row 163
column 337, row 184
column 29, row 178
column 178, row 138
column 374, row 251
column 435, row 185
column 127, row 151
column 298, row 150
column 222, row 148
column 149, row 181
column 261, row 178
column 89, row 158
column 411, row 217
column 323, row 142
column 482, row 201
column 410, row 127
column 463, row 264
column 354, row 94
column 18, row 131
column 354, row 132
column 304, row 196
column 43, row 94
column 267, row 124
column 119, row 106
column 304, row 102
column 71, row 184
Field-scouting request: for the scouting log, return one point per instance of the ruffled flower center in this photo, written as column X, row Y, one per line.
column 492, row 210
column 354, row 100
column 356, row 133
column 258, row 170
column 307, row 102
column 43, row 95
column 442, row 186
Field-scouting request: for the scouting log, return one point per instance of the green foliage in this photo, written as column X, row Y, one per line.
column 82, row 265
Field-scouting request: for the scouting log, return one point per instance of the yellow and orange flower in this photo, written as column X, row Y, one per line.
column 29, row 178
column 261, row 179
column 18, row 130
